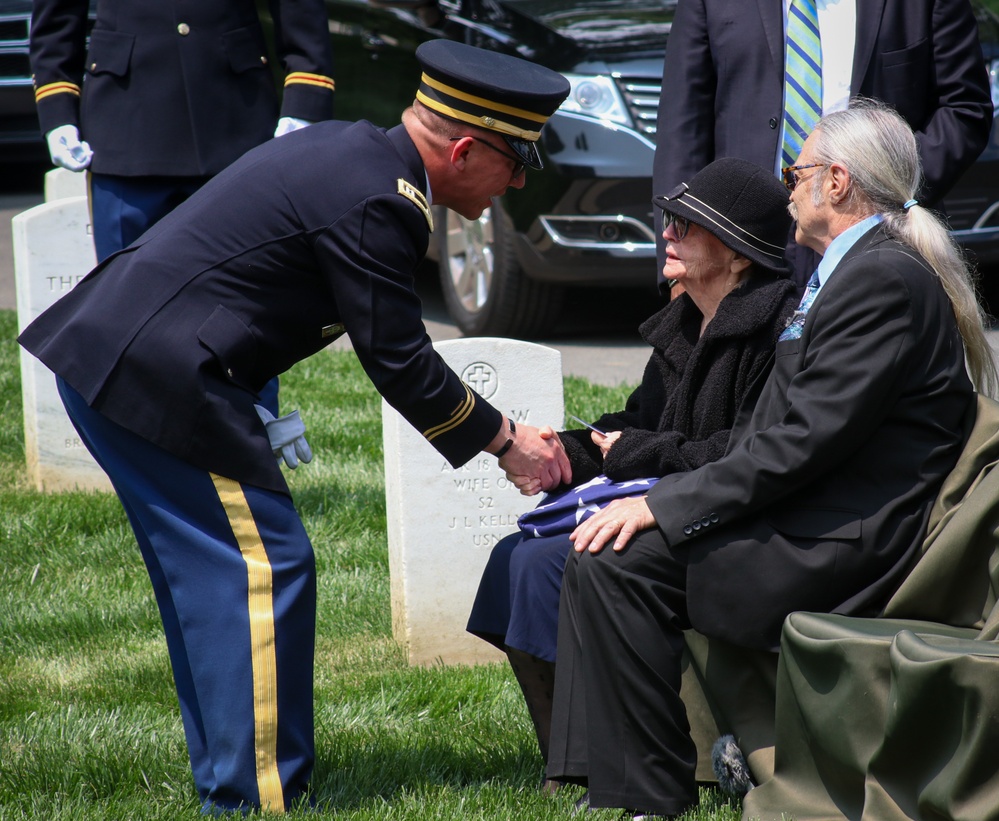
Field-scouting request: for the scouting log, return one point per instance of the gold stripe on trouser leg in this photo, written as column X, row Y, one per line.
column 261, row 610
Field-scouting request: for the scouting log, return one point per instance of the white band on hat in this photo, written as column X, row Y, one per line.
column 722, row 222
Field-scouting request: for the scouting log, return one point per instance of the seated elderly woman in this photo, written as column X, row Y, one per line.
column 726, row 231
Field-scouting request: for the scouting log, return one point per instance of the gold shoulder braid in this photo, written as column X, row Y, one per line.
column 414, row 195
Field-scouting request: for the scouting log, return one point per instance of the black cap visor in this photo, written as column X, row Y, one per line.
column 526, row 150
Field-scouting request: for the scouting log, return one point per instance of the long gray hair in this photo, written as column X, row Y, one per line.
column 880, row 152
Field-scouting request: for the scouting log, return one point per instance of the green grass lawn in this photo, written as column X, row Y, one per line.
column 89, row 724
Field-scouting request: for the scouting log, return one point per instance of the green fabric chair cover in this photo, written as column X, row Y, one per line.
column 812, row 724
column 938, row 755
column 833, row 684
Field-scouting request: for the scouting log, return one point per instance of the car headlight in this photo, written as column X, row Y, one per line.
column 596, row 96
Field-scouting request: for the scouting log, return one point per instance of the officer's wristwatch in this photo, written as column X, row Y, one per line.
column 509, row 442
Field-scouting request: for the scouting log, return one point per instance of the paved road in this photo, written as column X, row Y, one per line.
column 615, row 355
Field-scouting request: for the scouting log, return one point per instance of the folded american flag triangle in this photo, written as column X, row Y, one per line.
column 561, row 512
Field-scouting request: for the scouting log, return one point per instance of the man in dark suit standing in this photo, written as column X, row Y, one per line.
column 169, row 94
column 161, row 353
column 820, row 502
column 723, row 89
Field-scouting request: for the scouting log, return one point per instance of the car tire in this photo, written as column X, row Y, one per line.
column 484, row 288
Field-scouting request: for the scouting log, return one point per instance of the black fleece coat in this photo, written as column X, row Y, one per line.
column 681, row 415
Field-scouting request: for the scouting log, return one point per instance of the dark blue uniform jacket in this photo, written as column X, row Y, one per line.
column 319, row 229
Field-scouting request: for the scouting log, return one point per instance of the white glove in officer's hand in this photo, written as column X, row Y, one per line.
column 288, row 124
column 66, row 150
column 287, row 436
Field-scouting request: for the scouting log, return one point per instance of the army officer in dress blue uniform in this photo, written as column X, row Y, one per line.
column 168, row 94
column 162, row 350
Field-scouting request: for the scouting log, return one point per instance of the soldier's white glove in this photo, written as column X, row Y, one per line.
column 287, row 436
column 288, row 124
column 66, row 150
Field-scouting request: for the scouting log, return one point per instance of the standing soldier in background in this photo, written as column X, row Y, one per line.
column 168, row 94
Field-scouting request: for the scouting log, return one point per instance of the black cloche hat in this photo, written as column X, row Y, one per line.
column 742, row 204
column 494, row 91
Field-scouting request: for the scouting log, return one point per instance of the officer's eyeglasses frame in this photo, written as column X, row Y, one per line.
column 519, row 166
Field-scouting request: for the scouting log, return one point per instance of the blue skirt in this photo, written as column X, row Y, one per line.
column 517, row 601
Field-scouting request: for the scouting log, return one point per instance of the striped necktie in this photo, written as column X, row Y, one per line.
column 794, row 327
column 802, row 78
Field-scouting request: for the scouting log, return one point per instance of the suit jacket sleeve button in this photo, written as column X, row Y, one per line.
column 714, row 518
column 229, row 372
column 687, row 529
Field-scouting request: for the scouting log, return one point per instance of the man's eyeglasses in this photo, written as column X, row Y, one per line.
column 790, row 174
column 681, row 225
column 518, row 164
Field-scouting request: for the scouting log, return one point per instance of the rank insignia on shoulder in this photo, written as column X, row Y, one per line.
column 415, row 195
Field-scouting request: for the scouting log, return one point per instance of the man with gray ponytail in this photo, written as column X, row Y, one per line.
column 820, row 502
column 885, row 174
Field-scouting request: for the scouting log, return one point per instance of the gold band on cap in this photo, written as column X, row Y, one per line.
column 484, row 121
column 491, row 108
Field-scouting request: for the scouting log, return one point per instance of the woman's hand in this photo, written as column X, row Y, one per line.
column 605, row 440
column 620, row 521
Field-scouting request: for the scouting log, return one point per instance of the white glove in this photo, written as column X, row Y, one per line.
column 66, row 150
column 288, row 124
column 287, row 436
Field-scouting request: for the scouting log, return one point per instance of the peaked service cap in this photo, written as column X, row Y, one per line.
column 742, row 204
column 497, row 92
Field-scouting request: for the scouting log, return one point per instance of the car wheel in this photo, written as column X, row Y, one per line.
column 486, row 292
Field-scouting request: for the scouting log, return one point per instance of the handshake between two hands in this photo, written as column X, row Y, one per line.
column 538, row 462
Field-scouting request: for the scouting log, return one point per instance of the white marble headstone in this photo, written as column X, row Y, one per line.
column 53, row 250
column 61, row 184
column 443, row 522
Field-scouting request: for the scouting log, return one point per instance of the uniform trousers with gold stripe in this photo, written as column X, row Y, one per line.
column 234, row 576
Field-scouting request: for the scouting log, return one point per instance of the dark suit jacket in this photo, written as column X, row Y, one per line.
column 172, row 88
column 173, row 337
column 723, row 84
column 821, row 501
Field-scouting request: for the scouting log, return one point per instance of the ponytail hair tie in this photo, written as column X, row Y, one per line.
column 909, row 204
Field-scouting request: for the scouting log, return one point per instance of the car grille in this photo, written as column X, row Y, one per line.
column 14, row 65
column 14, row 28
column 642, row 98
